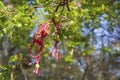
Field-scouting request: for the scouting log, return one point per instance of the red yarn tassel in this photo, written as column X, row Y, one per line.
column 55, row 53
column 41, row 32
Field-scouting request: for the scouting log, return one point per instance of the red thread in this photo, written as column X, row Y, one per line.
column 55, row 52
column 41, row 32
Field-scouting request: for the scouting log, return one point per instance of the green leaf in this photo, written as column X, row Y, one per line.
column 2, row 6
column 103, row 7
column 3, row 67
column 69, row 59
column 19, row 25
column 13, row 58
column 38, row 1
column 93, row 2
column 5, row 30
column 46, row 55
column 107, row 49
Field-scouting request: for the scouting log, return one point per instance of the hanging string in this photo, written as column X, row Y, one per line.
column 55, row 52
column 41, row 32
